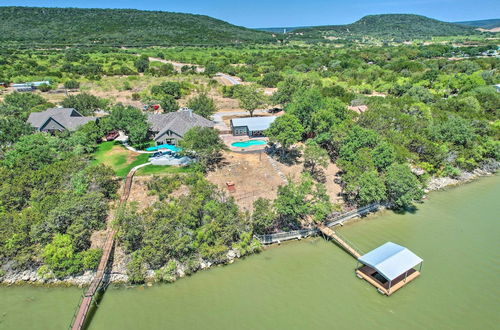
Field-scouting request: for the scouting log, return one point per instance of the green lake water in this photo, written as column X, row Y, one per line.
column 311, row 284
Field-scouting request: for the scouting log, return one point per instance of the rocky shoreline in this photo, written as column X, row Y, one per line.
column 438, row 183
column 119, row 275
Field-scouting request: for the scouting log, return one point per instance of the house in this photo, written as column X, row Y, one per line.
column 168, row 128
column 251, row 126
column 58, row 119
column 498, row 87
column 389, row 267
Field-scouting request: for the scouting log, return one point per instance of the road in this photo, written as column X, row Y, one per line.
column 232, row 80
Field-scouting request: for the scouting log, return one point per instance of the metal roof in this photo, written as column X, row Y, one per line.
column 254, row 123
column 390, row 260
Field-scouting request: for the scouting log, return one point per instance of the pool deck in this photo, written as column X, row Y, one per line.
column 230, row 139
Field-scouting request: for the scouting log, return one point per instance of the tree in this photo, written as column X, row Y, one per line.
column 315, row 156
column 271, row 79
column 32, row 152
column 11, row 129
column 142, row 63
column 169, row 104
column 21, row 104
column 204, row 144
column 285, row 130
column 84, row 103
column 202, row 105
column 403, row 188
column 455, row 130
column 129, row 119
column 250, row 97
column 167, row 88
column 383, row 155
column 288, row 87
column 371, row 188
column 60, row 256
column 263, row 215
column 297, row 201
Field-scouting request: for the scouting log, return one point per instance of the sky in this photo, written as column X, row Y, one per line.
column 279, row 13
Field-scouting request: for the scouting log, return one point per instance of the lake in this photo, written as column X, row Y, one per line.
column 311, row 284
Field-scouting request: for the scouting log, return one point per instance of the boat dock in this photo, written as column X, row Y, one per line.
column 328, row 232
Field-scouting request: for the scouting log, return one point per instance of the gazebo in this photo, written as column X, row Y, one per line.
column 389, row 267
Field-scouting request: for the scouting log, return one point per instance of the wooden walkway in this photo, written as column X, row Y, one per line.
column 79, row 318
column 303, row 233
column 330, row 233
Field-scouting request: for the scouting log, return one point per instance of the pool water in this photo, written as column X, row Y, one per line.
column 248, row 143
column 164, row 146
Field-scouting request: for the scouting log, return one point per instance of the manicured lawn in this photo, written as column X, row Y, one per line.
column 121, row 160
column 157, row 169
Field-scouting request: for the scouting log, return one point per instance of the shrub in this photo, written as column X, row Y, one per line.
column 167, row 273
column 91, row 258
column 71, row 84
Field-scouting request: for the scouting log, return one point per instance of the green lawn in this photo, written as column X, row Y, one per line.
column 121, row 160
column 156, row 169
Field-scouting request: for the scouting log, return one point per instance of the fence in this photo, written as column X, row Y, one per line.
column 298, row 234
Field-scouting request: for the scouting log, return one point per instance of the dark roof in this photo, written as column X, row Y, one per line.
column 67, row 117
column 178, row 122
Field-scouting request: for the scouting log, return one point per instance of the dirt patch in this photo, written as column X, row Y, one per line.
column 252, row 175
column 140, row 193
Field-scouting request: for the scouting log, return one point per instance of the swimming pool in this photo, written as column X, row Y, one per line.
column 248, row 143
column 164, row 146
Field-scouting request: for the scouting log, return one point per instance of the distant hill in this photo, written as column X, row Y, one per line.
column 390, row 26
column 282, row 29
column 484, row 24
column 30, row 25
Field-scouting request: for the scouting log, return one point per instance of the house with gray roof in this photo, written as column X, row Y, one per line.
column 251, row 126
column 58, row 119
column 169, row 128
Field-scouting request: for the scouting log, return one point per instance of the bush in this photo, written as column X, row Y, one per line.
column 136, row 269
column 44, row 88
column 71, row 84
column 167, row 273
column 60, row 256
column 91, row 258
column 136, row 96
column 169, row 104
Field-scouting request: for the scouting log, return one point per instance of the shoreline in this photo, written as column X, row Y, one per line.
column 30, row 277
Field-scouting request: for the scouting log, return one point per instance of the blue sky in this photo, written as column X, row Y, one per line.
column 269, row 13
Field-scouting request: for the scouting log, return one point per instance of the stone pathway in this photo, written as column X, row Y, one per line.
column 275, row 165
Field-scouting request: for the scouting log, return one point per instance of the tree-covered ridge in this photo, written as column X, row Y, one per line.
column 485, row 23
column 27, row 25
column 399, row 26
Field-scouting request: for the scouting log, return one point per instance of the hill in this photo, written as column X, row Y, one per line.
column 282, row 29
column 483, row 24
column 389, row 26
column 69, row 26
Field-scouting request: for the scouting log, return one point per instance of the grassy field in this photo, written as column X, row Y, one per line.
column 120, row 159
